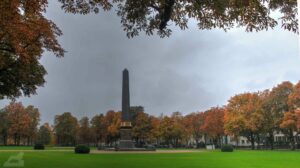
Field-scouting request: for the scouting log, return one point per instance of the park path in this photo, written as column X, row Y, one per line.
column 109, row 152
column 157, row 151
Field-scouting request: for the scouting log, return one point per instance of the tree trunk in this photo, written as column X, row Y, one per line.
column 197, row 143
column 226, row 139
column 271, row 140
column 258, row 141
column 252, row 141
column 15, row 139
column 292, row 140
column 4, row 139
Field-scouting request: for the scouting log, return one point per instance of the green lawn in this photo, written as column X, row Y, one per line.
column 202, row 159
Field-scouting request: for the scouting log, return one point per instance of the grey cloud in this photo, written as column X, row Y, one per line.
column 192, row 70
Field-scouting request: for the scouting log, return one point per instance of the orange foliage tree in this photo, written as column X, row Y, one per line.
column 214, row 124
column 244, row 116
column 19, row 121
column 290, row 119
column 113, row 130
column 193, row 124
column 24, row 35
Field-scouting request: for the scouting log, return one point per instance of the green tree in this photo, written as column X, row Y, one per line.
column 99, row 128
column 84, row 132
column 66, row 128
column 44, row 134
column 152, row 16
column 275, row 104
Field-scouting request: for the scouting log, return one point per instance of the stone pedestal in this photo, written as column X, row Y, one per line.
column 125, row 141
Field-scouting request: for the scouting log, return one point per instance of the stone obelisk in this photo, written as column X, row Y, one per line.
column 126, row 142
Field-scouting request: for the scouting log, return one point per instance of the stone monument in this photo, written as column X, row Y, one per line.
column 126, row 142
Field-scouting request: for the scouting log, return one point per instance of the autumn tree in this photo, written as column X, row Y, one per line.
column 155, row 132
column 34, row 115
column 141, row 128
column 99, row 128
column 290, row 119
column 172, row 129
column 66, row 128
column 44, row 134
column 4, row 126
column 113, row 129
column 294, row 98
column 214, row 124
column 152, row 16
column 19, row 120
column 244, row 117
column 193, row 124
column 24, row 36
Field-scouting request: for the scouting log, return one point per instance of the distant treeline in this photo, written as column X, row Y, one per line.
column 257, row 116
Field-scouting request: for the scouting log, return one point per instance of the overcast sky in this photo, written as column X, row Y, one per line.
column 192, row 70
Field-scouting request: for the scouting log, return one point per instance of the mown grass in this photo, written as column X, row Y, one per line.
column 202, row 159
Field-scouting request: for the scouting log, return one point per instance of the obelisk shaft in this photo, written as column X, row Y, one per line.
column 126, row 142
column 125, row 97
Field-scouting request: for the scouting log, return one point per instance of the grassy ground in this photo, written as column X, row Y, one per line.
column 202, row 159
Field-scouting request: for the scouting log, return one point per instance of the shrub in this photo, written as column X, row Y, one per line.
column 82, row 149
column 39, row 147
column 201, row 145
column 227, row 148
column 150, row 147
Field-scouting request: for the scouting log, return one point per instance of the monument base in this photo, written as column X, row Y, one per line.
column 129, row 149
column 125, row 141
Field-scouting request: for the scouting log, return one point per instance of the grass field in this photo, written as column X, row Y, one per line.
column 201, row 159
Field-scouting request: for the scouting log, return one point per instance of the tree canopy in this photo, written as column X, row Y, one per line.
column 24, row 36
column 152, row 16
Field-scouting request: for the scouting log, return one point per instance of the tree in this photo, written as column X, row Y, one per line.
column 114, row 122
column 99, row 128
column 151, row 16
column 275, row 104
column 141, row 129
column 172, row 129
column 44, row 134
column 289, row 123
column 4, row 126
column 194, row 123
column 134, row 112
column 244, row 116
column 271, row 118
column 65, row 127
column 294, row 98
column 290, row 119
column 214, row 124
column 24, row 35
column 155, row 133
column 34, row 115
column 84, row 132
column 19, row 120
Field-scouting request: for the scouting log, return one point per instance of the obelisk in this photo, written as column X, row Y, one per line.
column 126, row 142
